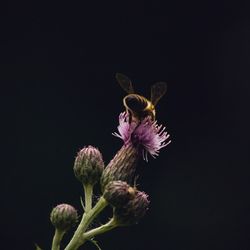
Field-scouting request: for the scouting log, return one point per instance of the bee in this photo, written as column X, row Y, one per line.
column 138, row 106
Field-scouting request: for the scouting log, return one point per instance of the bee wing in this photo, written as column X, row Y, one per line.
column 125, row 83
column 158, row 90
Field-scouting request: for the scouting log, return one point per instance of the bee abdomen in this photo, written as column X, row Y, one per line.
column 135, row 102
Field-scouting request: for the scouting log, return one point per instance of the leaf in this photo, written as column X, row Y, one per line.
column 82, row 203
column 37, row 247
column 95, row 243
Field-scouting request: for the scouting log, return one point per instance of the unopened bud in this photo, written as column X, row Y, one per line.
column 88, row 165
column 118, row 193
column 133, row 211
column 63, row 217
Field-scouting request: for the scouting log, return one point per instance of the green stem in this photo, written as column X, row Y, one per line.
column 57, row 239
column 100, row 230
column 78, row 237
column 88, row 192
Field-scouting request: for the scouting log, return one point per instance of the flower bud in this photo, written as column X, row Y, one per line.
column 88, row 165
column 118, row 193
column 133, row 211
column 63, row 217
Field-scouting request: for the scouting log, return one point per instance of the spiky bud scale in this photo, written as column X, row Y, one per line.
column 121, row 167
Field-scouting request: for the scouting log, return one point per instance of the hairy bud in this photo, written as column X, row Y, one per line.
column 63, row 217
column 133, row 211
column 118, row 193
column 88, row 165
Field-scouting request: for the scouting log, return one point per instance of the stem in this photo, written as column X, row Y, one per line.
column 57, row 239
column 100, row 230
column 88, row 192
column 78, row 237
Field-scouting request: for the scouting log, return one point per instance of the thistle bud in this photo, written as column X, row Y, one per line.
column 63, row 217
column 88, row 165
column 118, row 193
column 133, row 211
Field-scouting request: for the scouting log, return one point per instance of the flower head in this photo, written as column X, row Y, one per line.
column 118, row 193
column 88, row 165
column 63, row 216
column 150, row 136
column 133, row 211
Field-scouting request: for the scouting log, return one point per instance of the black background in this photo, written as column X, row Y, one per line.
column 59, row 93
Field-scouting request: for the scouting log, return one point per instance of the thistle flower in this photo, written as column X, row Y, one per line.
column 88, row 165
column 118, row 193
column 148, row 135
column 133, row 211
column 140, row 139
column 63, row 217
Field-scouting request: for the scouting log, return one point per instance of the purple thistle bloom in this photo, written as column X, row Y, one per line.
column 150, row 136
column 140, row 139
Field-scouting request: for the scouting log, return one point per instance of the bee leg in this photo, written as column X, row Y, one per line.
column 129, row 116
